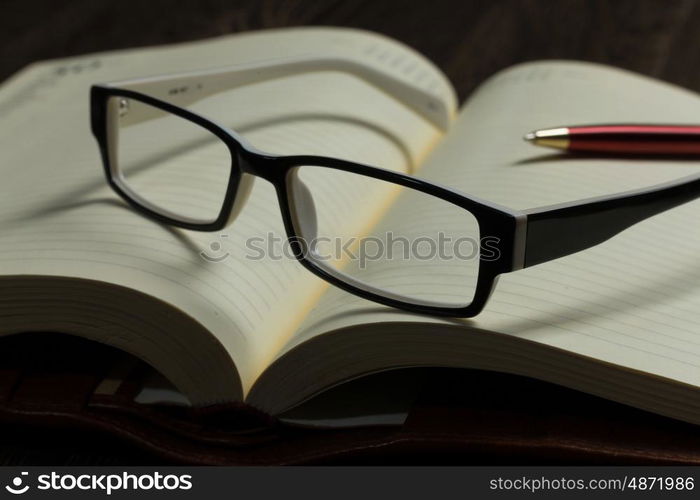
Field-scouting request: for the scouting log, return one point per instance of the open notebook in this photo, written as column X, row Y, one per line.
column 621, row 320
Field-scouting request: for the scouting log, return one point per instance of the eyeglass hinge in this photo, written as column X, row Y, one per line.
column 519, row 241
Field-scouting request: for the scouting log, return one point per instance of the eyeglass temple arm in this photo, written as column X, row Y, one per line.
column 187, row 88
column 560, row 230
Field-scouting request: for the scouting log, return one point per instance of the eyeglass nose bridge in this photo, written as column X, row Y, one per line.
column 248, row 165
column 303, row 208
column 243, row 190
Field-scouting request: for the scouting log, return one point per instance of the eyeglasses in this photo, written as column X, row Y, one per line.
column 441, row 251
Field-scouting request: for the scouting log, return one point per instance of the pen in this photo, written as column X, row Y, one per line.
column 631, row 139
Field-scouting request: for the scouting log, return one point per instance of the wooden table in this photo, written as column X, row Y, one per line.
column 469, row 40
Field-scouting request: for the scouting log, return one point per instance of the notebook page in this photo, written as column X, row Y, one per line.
column 633, row 301
column 58, row 217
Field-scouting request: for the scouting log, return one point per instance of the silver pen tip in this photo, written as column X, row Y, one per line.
column 530, row 136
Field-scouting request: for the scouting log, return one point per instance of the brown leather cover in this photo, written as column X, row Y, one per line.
column 462, row 417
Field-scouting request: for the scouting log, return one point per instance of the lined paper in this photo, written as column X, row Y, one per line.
column 633, row 301
column 59, row 218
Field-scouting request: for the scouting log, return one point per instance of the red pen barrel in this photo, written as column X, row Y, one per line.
column 636, row 139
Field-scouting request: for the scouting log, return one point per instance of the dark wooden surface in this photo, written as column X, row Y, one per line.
column 469, row 40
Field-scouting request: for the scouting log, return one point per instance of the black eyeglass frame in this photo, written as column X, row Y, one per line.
column 524, row 238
